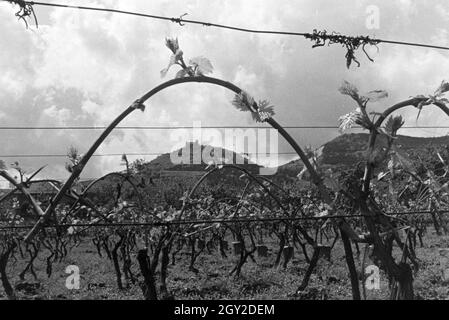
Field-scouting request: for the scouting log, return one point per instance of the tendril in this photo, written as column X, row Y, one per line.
column 26, row 10
column 352, row 44
column 179, row 20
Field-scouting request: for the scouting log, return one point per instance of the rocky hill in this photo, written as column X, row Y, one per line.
column 348, row 149
column 345, row 150
column 188, row 159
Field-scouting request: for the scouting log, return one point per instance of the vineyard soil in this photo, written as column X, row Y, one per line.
column 258, row 280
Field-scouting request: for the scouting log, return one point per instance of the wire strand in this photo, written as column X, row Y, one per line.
column 128, row 154
column 192, row 127
column 213, row 221
column 181, row 21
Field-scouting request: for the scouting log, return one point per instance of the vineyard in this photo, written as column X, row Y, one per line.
column 344, row 222
column 377, row 229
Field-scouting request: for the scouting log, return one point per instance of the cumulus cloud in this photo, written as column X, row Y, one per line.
column 83, row 68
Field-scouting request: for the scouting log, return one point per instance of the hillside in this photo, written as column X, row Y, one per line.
column 345, row 150
column 189, row 163
column 348, row 149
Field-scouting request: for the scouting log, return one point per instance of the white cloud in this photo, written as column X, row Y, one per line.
column 59, row 116
column 84, row 68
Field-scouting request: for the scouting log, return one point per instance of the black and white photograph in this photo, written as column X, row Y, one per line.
column 241, row 153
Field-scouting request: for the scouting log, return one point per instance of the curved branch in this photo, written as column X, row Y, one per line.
column 235, row 167
column 120, row 175
column 374, row 132
column 138, row 104
column 368, row 209
column 21, row 188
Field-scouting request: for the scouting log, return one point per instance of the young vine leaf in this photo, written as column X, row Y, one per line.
column 244, row 102
column 201, row 66
column 74, row 158
column 372, row 96
column 354, row 118
column 376, row 95
column 181, row 74
column 265, row 111
column 442, row 89
column 359, row 116
column 349, row 89
column 260, row 112
column 437, row 97
column 173, row 60
column 392, row 125
column 349, row 120
column 198, row 66
column 173, row 45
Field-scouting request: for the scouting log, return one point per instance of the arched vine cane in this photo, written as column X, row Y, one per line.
column 125, row 177
column 139, row 104
column 345, row 229
column 23, row 189
column 374, row 132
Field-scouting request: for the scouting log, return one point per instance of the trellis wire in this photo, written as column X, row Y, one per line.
column 190, row 127
column 212, row 221
column 321, row 36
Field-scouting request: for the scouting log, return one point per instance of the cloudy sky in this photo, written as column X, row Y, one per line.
column 83, row 68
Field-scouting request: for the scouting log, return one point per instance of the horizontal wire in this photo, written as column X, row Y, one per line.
column 190, row 127
column 181, row 21
column 212, row 221
column 128, row 154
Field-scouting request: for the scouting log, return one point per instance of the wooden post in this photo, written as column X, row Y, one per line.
column 148, row 286
column 237, row 247
column 262, row 250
